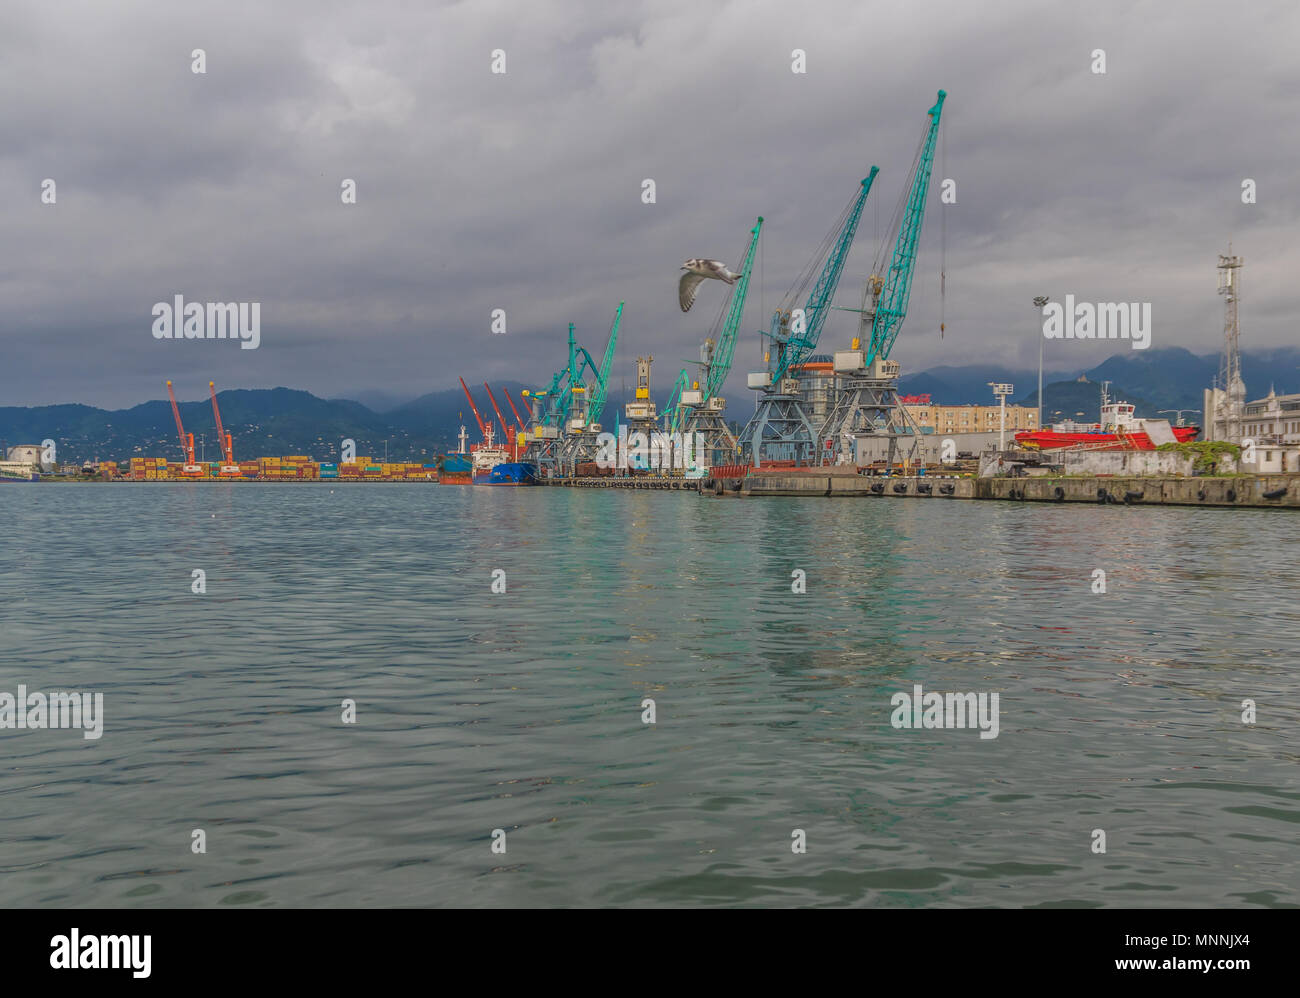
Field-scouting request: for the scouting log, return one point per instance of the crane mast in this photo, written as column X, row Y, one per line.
column 522, row 423
column 783, row 426
column 700, row 410
column 794, row 346
column 229, row 469
column 482, row 427
column 601, row 391
column 189, row 467
column 719, row 365
column 866, row 422
column 890, row 306
column 581, row 427
column 505, row 430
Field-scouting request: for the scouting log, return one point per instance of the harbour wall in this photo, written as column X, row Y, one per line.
column 1255, row 491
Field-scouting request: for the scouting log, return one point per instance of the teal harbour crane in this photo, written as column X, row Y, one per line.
column 866, row 399
column 784, row 426
column 699, row 408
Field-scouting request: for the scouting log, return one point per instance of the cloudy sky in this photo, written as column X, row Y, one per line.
column 522, row 190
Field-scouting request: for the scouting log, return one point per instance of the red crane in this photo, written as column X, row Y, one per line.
column 188, row 468
column 509, row 438
column 482, row 427
column 229, row 469
column 522, row 424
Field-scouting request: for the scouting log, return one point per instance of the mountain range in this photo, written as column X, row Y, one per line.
column 290, row 421
column 273, row 421
column 1167, row 378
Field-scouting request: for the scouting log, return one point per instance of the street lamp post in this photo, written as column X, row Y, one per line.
column 1039, row 304
column 1001, row 389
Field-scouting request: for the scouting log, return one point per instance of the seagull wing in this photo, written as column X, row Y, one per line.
column 687, row 289
column 720, row 271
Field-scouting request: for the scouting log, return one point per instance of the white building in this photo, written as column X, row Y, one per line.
column 1273, row 424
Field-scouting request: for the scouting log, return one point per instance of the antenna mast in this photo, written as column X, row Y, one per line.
column 1227, row 420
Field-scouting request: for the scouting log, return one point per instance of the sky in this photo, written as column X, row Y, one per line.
column 522, row 190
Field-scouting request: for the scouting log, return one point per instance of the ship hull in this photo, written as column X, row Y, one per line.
column 510, row 473
column 1138, row 440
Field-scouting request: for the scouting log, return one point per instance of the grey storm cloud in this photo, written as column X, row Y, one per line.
column 522, row 190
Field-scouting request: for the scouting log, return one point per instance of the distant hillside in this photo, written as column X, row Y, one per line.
column 1082, row 401
column 266, row 422
column 449, row 408
column 1165, row 378
column 261, row 421
column 964, row 385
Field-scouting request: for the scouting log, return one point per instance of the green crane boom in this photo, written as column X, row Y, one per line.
column 673, row 414
column 717, row 354
column 720, row 362
column 794, row 343
column 891, row 308
column 601, row 389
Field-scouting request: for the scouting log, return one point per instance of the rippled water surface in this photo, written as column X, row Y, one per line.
column 521, row 712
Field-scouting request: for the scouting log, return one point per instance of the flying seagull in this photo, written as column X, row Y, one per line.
column 697, row 271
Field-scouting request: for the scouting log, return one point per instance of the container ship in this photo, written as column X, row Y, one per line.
column 16, row 471
column 509, row 473
column 1118, row 429
column 455, row 469
column 486, row 457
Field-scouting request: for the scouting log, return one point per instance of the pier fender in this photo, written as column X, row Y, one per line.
column 924, row 487
column 1102, row 495
column 900, row 488
column 1200, row 494
column 1132, row 497
column 1059, row 493
column 1276, row 493
column 878, row 488
column 947, row 490
column 1231, row 495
